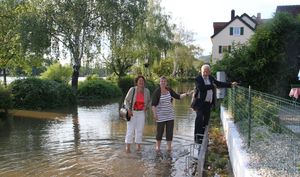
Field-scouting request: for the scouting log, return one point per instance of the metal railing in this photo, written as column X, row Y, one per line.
column 272, row 121
column 196, row 159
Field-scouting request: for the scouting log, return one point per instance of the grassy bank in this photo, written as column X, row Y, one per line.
column 217, row 159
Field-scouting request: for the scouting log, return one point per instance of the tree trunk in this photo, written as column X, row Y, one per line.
column 4, row 78
column 75, row 76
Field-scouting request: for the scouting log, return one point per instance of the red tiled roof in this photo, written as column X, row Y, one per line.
column 218, row 26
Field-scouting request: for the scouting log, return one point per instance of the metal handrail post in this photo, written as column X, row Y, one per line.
column 249, row 116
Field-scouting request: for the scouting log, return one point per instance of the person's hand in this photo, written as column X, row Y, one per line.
column 190, row 92
column 130, row 114
column 155, row 117
column 234, row 83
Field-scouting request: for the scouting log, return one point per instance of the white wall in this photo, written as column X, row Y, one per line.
column 225, row 39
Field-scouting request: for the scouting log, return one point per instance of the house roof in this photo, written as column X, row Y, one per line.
column 217, row 31
column 218, row 26
column 292, row 9
column 246, row 15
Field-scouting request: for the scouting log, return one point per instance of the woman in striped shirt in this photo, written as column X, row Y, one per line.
column 163, row 112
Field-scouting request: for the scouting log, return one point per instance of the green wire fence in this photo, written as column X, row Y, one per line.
column 267, row 119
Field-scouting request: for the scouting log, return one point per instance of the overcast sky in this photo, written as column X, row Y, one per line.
column 198, row 15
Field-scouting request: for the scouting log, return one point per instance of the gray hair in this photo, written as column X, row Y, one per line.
column 204, row 66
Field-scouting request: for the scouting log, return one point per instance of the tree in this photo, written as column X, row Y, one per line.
column 80, row 25
column 269, row 62
column 24, row 36
column 154, row 34
column 122, row 34
column 184, row 51
column 10, row 47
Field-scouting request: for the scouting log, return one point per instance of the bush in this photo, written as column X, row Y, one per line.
column 125, row 83
column 58, row 73
column 34, row 93
column 98, row 89
column 5, row 99
column 150, row 84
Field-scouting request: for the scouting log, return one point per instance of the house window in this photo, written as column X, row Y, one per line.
column 223, row 49
column 236, row 31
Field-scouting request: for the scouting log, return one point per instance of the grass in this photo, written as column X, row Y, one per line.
column 217, row 160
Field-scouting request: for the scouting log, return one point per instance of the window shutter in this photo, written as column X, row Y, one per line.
column 242, row 30
column 231, row 31
column 220, row 49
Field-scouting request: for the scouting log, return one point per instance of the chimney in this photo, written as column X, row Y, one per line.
column 232, row 14
column 258, row 17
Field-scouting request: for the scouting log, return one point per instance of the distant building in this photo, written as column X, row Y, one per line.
column 291, row 9
column 238, row 30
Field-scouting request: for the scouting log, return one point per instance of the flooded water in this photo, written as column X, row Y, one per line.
column 89, row 141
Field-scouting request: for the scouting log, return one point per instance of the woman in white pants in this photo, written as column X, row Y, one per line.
column 140, row 98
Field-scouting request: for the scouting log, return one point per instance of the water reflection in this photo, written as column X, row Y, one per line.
column 89, row 141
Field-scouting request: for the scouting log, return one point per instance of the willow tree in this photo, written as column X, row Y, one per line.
column 121, row 34
column 184, row 51
column 155, row 36
column 79, row 25
column 23, row 41
column 9, row 36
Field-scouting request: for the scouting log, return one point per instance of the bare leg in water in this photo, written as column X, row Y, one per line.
column 169, row 145
column 157, row 148
column 127, row 147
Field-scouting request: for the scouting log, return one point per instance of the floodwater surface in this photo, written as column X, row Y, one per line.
column 89, row 141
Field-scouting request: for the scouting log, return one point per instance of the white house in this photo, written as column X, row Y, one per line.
column 238, row 30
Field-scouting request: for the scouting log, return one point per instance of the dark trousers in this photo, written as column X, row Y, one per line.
column 160, row 127
column 202, row 119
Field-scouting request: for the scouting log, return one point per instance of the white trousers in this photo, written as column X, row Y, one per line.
column 135, row 127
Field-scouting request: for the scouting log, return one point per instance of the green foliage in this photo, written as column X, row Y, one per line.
column 92, row 77
column 262, row 111
column 33, row 93
column 5, row 98
column 266, row 113
column 24, row 39
column 150, row 84
column 96, row 89
column 125, row 83
column 58, row 73
column 269, row 62
column 165, row 67
column 217, row 160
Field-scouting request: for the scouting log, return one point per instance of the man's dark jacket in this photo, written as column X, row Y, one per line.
column 201, row 89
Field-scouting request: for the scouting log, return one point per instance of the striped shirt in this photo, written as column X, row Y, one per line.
column 165, row 109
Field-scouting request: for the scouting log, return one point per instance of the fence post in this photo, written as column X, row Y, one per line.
column 249, row 116
column 233, row 101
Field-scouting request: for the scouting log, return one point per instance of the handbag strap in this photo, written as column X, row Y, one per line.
column 132, row 98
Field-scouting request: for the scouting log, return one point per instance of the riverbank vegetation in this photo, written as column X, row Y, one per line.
column 270, row 61
column 217, row 161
